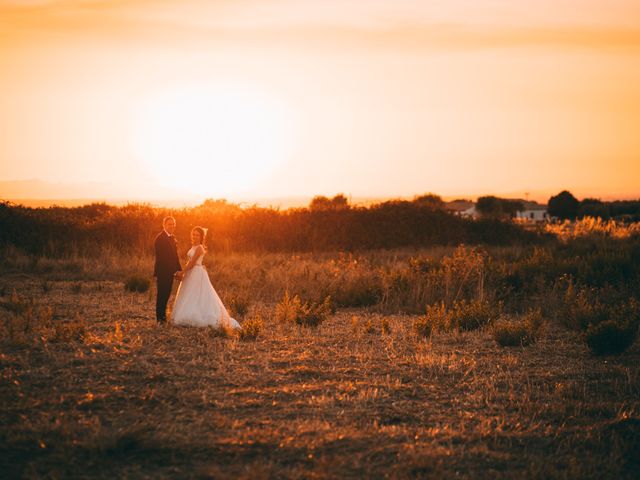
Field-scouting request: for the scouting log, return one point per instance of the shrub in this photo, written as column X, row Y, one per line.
column 610, row 337
column 252, row 328
column 423, row 326
column 66, row 331
column 35, row 323
column 358, row 292
column 473, row 314
column 369, row 328
column 288, row 308
column 519, row 332
column 355, row 324
column 436, row 317
column 137, row 283
column 585, row 307
column 313, row 314
column 386, row 326
column 15, row 304
column 21, row 327
column 399, row 291
column 582, row 307
column 310, row 314
column 219, row 332
column 464, row 273
column 239, row 306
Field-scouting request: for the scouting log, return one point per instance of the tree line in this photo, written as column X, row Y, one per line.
column 563, row 206
column 567, row 207
column 325, row 224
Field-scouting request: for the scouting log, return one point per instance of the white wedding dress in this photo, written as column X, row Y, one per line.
column 197, row 303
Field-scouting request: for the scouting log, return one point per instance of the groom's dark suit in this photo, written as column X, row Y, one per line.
column 167, row 263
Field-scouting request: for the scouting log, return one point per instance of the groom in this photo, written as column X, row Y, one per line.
column 167, row 266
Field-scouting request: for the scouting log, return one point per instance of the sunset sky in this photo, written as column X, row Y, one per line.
column 151, row 99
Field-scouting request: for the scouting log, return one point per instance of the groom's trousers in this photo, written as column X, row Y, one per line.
column 164, row 284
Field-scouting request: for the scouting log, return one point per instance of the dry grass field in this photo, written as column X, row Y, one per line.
column 93, row 388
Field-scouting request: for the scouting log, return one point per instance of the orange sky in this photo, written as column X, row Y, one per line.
column 369, row 98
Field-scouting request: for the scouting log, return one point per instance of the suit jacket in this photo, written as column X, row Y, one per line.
column 167, row 261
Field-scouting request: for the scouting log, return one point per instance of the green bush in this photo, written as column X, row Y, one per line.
column 137, row 283
column 518, row 332
column 610, row 337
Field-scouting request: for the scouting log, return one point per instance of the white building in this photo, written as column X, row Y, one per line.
column 533, row 212
column 462, row 208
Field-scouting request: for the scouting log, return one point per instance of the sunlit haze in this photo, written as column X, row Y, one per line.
column 150, row 99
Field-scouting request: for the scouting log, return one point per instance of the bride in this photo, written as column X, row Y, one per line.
column 197, row 303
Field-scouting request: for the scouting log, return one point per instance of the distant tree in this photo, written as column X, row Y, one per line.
column 429, row 200
column 494, row 207
column 564, row 205
column 339, row 202
column 321, row 203
column 217, row 205
column 488, row 206
column 625, row 209
column 593, row 207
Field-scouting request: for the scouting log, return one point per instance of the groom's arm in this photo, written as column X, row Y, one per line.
column 157, row 253
column 177, row 267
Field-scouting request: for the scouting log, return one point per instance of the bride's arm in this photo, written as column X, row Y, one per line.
column 194, row 259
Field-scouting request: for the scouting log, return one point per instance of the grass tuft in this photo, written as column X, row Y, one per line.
column 386, row 326
column 472, row 315
column 137, row 283
column 219, row 332
column 308, row 314
column 16, row 304
column 610, row 337
column 522, row 331
column 252, row 328
column 436, row 318
column 239, row 306
column 69, row 331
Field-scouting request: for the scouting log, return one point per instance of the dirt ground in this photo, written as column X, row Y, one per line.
column 345, row 400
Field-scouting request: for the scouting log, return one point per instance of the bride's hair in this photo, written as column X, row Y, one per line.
column 203, row 235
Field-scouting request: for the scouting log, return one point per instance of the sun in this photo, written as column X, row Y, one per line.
column 214, row 139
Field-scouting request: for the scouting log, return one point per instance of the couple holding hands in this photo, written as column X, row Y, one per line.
column 197, row 303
